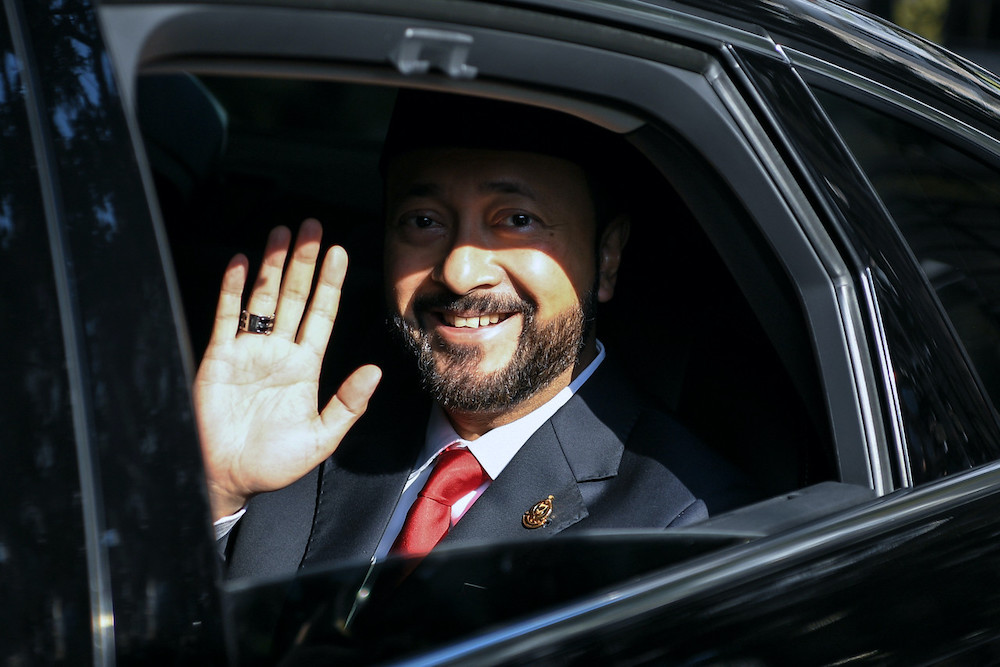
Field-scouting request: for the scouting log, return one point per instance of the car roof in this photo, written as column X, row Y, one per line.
column 831, row 32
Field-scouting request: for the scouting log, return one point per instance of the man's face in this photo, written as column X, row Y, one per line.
column 491, row 270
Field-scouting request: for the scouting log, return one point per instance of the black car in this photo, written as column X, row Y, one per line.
column 812, row 286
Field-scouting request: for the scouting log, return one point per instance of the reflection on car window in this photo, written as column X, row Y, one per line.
column 43, row 575
column 946, row 203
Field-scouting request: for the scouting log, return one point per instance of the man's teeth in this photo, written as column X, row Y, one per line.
column 471, row 322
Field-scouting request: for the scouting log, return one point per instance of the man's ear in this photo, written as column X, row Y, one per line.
column 609, row 256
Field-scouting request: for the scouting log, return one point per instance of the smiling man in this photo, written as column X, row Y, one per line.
column 503, row 232
column 492, row 274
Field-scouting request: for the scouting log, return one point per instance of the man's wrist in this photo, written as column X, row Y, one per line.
column 224, row 504
column 224, row 525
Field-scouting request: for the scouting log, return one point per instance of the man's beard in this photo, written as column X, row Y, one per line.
column 544, row 351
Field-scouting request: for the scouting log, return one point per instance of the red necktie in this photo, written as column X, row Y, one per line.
column 456, row 473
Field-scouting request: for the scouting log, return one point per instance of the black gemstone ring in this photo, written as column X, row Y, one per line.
column 256, row 324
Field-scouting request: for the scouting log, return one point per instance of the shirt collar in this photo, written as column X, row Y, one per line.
column 496, row 448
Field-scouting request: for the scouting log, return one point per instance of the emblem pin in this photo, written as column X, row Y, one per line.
column 538, row 515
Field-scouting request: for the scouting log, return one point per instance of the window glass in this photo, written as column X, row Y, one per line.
column 147, row 529
column 45, row 616
column 946, row 203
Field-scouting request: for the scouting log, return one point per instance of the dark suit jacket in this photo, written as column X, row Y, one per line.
column 607, row 458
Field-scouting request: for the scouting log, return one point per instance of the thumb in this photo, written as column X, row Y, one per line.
column 351, row 400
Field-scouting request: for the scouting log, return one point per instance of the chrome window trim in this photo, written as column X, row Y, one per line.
column 895, row 416
column 873, row 469
column 975, row 140
column 884, row 94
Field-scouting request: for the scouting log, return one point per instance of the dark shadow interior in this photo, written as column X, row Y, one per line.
column 232, row 157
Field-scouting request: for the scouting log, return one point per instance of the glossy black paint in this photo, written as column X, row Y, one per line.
column 41, row 535
column 315, row 617
column 875, row 595
column 145, row 528
column 841, row 35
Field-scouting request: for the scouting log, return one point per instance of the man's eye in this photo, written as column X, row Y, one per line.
column 418, row 221
column 519, row 220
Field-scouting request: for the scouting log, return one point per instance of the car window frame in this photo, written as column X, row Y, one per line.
column 953, row 131
column 163, row 38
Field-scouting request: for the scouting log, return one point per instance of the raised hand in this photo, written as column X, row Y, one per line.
column 256, row 396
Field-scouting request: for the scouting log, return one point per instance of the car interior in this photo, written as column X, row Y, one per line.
column 233, row 156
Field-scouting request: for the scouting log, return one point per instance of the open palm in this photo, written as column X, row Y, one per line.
column 256, row 396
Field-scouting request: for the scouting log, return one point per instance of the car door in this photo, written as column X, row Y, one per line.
column 759, row 340
column 898, row 154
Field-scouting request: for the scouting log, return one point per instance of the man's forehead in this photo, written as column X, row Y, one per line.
column 430, row 187
column 432, row 172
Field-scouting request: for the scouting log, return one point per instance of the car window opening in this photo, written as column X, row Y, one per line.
column 253, row 153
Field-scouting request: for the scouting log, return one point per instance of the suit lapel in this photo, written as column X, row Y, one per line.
column 361, row 483
column 274, row 530
column 354, row 506
column 580, row 445
column 537, row 471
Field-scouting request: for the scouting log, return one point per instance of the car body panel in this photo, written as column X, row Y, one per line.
column 129, row 403
column 853, row 587
column 126, row 568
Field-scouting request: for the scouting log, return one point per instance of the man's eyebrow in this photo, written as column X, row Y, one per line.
column 508, row 186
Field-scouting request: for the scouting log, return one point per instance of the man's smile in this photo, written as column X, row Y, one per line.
column 472, row 317
column 472, row 320
column 475, row 326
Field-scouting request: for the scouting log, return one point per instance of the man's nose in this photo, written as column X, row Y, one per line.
column 467, row 267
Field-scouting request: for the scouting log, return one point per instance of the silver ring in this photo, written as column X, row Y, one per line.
column 256, row 324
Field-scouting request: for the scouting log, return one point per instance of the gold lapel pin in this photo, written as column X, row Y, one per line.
column 538, row 515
